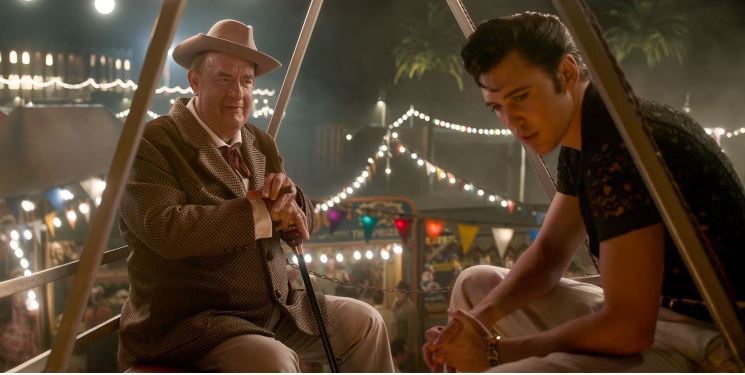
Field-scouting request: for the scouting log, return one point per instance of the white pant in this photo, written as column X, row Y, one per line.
column 682, row 344
column 360, row 343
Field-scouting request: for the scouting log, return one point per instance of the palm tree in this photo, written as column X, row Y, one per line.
column 430, row 44
column 654, row 27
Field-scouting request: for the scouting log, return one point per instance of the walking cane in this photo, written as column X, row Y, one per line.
column 292, row 237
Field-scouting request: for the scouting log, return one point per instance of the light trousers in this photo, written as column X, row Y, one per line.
column 681, row 344
column 360, row 344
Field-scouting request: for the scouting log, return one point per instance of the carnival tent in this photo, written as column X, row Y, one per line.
column 44, row 147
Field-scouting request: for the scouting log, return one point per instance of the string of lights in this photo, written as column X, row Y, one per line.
column 722, row 132
column 451, row 178
column 384, row 252
column 264, row 111
column 430, row 168
column 414, row 113
column 32, row 304
column 15, row 82
column 359, row 181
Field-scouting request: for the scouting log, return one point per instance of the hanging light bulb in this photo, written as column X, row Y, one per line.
column 324, row 258
column 28, row 206
column 369, row 254
column 357, row 255
column 308, row 258
column 397, row 249
column 32, row 305
column 27, row 235
column 339, row 257
column 14, row 235
column 385, row 254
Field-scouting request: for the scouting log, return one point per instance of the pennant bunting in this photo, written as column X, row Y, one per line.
column 433, row 228
column 502, row 237
column 403, row 225
column 49, row 220
column 368, row 226
column 72, row 218
column 36, row 230
column 335, row 217
column 54, row 197
column 467, row 235
column 511, row 206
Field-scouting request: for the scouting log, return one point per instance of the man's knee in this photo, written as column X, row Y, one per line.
column 474, row 283
column 359, row 315
column 251, row 353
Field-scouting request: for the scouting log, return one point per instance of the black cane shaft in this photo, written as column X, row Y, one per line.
column 316, row 312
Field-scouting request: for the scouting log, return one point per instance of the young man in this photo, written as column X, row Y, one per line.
column 209, row 288
column 532, row 76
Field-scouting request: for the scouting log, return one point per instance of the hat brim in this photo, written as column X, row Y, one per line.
column 185, row 51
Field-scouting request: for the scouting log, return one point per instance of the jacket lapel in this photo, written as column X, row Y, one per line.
column 209, row 157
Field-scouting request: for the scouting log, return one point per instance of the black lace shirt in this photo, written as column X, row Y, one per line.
column 614, row 200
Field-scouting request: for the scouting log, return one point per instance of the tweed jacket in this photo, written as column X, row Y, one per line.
column 197, row 274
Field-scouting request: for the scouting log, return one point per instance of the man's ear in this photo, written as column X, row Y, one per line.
column 193, row 77
column 568, row 72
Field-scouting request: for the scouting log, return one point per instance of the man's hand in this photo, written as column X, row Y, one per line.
column 279, row 189
column 463, row 345
column 428, row 349
column 279, row 194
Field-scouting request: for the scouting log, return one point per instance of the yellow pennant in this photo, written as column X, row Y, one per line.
column 467, row 235
column 49, row 219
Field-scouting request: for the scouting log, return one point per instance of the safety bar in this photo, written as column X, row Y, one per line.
column 20, row 284
column 618, row 96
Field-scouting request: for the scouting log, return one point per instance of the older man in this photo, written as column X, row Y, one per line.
column 209, row 288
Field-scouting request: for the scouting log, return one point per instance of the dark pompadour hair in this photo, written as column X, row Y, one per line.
column 539, row 38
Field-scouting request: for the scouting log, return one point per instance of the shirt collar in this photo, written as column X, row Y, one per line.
column 216, row 140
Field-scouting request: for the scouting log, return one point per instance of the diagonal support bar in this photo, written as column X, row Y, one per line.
column 622, row 105
column 292, row 71
column 129, row 141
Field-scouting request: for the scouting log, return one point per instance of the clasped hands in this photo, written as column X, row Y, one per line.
column 461, row 344
column 279, row 194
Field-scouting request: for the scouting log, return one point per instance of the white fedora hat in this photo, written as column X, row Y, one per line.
column 228, row 36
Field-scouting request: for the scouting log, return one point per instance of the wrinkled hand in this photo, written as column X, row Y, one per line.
column 279, row 194
column 280, row 190
column 462, row 343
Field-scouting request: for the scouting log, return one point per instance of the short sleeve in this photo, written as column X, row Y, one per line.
column 567, row 169
column 618, row 199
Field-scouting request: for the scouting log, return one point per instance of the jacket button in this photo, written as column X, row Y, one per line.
column 269, row 255
column 277, row 293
